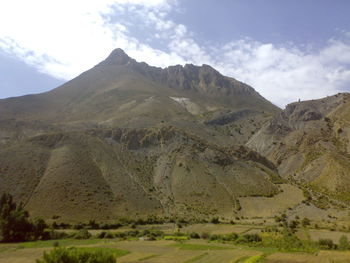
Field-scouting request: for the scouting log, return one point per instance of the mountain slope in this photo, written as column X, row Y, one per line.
column 119, row 85
column 131, row 172
column 125, row 139
column 309, row 142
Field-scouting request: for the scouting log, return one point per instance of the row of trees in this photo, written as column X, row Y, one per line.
column 15, row 225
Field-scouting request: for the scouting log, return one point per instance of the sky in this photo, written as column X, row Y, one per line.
column 286, row 50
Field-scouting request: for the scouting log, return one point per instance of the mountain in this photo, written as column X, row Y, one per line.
column 309, row 142
column 125, row 139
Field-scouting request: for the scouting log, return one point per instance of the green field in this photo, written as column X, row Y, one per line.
column 172, row 251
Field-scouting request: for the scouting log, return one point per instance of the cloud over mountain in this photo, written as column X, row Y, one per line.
column 64, row 38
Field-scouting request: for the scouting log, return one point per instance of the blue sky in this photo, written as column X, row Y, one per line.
column 287, row 50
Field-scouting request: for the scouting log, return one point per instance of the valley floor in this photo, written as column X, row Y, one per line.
column 182, row 251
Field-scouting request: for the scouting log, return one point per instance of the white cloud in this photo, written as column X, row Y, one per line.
column 64, row 38
column 284, row 75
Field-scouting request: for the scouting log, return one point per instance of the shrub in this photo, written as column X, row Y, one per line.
column 214, row 237
column 82, row 234
column 305, row 222
column 205, row 235
column 293, row 225
column 39, row 226
column 230, row 237
column 110, row 226
column 326, row 243
column 290, row 242
column 101, row 234
column 93, row 225
column 194, row 235
column 132, row 233
column 121, row 235
column 55, row 244
column 73, row 255
column 52, row 234
column 343, row 243
column 78, row 226
column 109, row 235
column 215, row 220
column 250, row 238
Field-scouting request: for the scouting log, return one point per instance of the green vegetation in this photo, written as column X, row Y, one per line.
column 82, row 255
column 61, row 242
column 253, row 259
column 309, row 157
column 305, row 222
column 15, row 225
column 343, row 243
column 188, row 246
column 327, row 244
column 82, row 234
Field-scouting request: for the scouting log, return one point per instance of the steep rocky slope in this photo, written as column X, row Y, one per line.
column 309, row 142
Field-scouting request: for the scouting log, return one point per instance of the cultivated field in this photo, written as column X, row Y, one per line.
column 161, row 251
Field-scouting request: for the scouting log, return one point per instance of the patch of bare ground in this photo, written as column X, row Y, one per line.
column 22, row 255
column 271, row 206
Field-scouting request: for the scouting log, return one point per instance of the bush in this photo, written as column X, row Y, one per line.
column 73, row 255
column 79, row 226
column 101, row 234
column 82, row 234
column 205, row 235
column 93, row 225
column 250, row 238
column 52, row 234
column 305, row 222
column 215, row 220
column 290, row 242
column 194, row 235
column 230, row 237
column 215, row 237
column 326, row 243
column 110, row 226
column 343, row 243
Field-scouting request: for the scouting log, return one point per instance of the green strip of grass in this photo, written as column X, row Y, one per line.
column 61, row 242
column 253, row 259
column 192, row 260
column 114, row 251
column 176, row 237
column 200, row 247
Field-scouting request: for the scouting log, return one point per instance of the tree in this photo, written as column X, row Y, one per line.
column 343, row 243
column 39, row 226
column 15, row 225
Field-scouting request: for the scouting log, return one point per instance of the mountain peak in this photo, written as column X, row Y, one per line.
column 118, row 57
